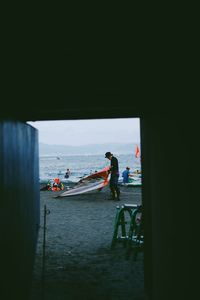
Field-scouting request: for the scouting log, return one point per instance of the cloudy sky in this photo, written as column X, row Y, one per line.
column 83, row 132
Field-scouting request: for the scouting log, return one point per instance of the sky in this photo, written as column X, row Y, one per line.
column 84, row 132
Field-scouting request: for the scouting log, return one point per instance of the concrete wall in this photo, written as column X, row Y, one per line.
column 169, row 197
column 19, row 207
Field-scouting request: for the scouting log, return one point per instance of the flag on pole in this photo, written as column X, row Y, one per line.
column 137, row 151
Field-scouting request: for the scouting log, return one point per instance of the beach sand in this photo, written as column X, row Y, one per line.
column 79, row 262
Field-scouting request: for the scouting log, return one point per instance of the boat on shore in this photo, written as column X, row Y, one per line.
column 94, row 181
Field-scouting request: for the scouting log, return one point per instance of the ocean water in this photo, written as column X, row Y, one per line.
column 81, row 165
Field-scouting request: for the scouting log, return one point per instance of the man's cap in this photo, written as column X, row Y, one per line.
column 108, row 154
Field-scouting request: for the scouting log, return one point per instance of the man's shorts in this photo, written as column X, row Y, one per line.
column 114, row 181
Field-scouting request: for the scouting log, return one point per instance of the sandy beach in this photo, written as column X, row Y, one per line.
column 79, row 262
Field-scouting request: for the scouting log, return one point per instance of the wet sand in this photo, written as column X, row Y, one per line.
column 79, row 262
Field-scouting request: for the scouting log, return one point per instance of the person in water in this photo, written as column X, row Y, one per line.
column 114, row 171
column 67, row 174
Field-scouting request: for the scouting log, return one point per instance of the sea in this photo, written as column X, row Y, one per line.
column 53, row 166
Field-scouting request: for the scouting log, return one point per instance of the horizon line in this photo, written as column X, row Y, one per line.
column 117, row 143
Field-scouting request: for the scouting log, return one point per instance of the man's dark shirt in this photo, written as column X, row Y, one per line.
column 114, row 167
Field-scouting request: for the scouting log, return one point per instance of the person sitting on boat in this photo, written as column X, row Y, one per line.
column 126, row 174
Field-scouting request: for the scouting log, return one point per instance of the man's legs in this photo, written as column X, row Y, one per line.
column 114, row 188
column 113, row 192
column 117, row 191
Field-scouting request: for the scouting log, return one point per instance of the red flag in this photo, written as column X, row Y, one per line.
column 137, row 152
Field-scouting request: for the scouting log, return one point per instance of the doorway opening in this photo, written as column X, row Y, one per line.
column 79, row 261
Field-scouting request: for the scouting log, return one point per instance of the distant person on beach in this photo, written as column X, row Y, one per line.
column 126, row 174
column 114, row 171
column 67, row 174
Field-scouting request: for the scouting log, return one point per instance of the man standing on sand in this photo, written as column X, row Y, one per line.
column 114, row 171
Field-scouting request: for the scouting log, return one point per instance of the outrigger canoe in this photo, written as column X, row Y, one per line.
column 94, row 181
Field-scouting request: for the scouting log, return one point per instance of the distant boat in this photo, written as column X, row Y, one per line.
column 58, row 157
column 135, row 181
column 94, row 181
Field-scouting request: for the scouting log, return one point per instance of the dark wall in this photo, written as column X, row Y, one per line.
column 19, row 207
column 170, row 193
column 108, row 74
column 170, row 200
